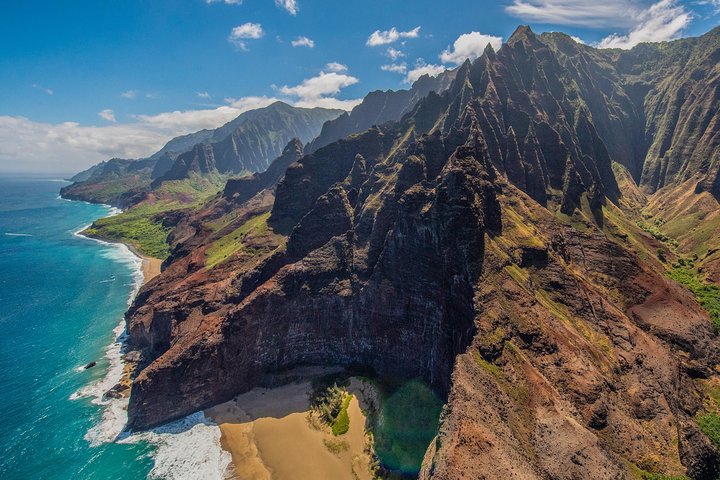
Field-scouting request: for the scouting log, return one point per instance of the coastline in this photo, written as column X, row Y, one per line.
column 188, row 448
column 151, row 266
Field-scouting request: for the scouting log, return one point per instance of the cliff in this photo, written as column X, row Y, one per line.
column 490, row 242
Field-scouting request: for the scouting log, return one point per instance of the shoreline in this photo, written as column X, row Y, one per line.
column 187, row 448
column 151, row 266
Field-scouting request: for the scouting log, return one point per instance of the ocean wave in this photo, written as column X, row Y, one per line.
column 10, row 234
column 186, row 449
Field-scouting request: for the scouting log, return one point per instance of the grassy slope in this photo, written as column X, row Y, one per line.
column 142, row 227
column 226, row 246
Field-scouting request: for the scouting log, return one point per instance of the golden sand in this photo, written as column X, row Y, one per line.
column 150, row 268
column 268, row 435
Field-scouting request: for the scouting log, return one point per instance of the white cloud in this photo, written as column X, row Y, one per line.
column 228, row 2
column 193, row 120
column 395, row 68
column 28, row 146
column 321, row 90
column 240, row 34
column 291, row 6
column 469, row 46
column 43, row 89
column 588, row 13
column 394, row 54
column 130, row 94
column 578, row 39
column 204, row 95
column 324, row 84
column 390, row 36
column 303, row 42
column 108, row 115
column 664, row 20
column 336, row 67
column 422, row 68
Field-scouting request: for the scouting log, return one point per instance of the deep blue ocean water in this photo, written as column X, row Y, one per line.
column 61, row 297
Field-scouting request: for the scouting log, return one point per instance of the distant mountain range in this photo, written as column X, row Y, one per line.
column 247, row 144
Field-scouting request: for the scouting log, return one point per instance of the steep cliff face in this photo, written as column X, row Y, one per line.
column 478, row 243
column 681, row 105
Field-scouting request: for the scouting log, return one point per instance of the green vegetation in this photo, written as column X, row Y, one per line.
column 660, row 476
column 710, row 425
column 406, row 424
column 328, row 406
column 231, row 243
column 341, row 425
column 142, row 227
column 684, row 272
column 139, row 227
column 654, row 230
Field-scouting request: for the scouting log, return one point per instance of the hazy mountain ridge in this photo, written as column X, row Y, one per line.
column 248, row 143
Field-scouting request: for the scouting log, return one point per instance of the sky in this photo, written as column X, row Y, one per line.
column 83, row 81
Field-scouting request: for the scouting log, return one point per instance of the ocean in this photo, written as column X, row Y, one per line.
column 62, row 300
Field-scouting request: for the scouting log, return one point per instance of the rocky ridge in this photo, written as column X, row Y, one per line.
column 483, row 242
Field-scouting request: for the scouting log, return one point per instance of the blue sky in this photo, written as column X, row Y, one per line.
column 86, row 80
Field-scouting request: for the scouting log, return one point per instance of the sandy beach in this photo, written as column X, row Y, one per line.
column 150, row 267
column 269, row 436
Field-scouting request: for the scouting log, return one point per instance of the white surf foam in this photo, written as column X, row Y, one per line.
column 9, row 234
column 186, row 449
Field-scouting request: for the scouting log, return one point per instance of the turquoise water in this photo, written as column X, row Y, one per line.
column 61, row 297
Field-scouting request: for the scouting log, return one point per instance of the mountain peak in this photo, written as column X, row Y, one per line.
column 521, row 33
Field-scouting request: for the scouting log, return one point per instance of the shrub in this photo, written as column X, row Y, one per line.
column 710, row 425
column 341, row 425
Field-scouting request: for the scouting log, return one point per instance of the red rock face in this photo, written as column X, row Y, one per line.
column 475, row 244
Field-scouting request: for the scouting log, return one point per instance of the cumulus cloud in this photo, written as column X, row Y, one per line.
column 469, row 46
column 400, row 68
column 303, row 42
column 43, row 89
column 322, row 85
column 228, row 2
column 247, row 31
column 129, row 94
column 422, row 68
column 204, row 95
column 321, row 91
column 108, row 115
column 588, row 13
column 336, row 67
column 664, row 20
column 390, row 36
column 290, row 6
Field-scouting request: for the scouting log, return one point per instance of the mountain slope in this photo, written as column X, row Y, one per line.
column 247, row 144
column 486, row 242
column 251, row 146
column 380, row 107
